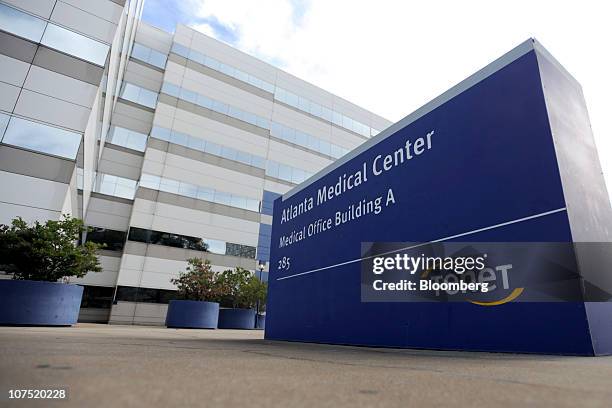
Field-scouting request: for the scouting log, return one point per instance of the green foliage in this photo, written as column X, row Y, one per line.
column 245, row 289
column 46, row 252
column 199, row 282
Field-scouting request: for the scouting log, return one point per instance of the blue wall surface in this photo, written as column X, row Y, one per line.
column 492, row 161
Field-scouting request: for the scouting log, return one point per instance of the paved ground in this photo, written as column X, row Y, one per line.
column 128, row 366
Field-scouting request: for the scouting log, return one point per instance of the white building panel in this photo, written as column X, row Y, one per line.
column 32, row 192
column 13, row 71
column 84, row 22
column 60, row 86
column 52, row 110
column 8, row 96
column 108, row 214
column 41, row 8
column 105, row 9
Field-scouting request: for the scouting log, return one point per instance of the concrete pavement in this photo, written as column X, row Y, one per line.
column 130, row 366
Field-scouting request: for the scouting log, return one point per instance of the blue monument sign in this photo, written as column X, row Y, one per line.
column 506, row 158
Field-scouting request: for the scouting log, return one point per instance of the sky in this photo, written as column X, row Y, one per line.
column 392, row 56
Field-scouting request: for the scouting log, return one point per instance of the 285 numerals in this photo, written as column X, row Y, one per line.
column 284, row 263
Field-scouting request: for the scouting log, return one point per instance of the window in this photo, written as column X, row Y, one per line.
column 100, row 297
column 145, row 295
column 21, row 24
column 193, row 243
column 138, row 95
column 115, row 186
column 149, row 55
column 42, row 138
column 128, row 138
column 75, row 44
column 114, row 240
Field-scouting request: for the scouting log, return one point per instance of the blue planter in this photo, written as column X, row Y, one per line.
column 37, row 303
column 260, row 322
column 192, row 314
column 237, row 319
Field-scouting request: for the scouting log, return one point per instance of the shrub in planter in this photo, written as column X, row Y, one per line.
column 245, row 291
column 200, row 290
column 41, row 258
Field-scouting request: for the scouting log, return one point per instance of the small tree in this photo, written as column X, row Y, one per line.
column 253, row 292
column 245, row 289
column 46, row 252
column 199, row 282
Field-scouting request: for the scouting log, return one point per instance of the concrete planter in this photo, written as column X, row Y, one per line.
column 192, row 314
column 37, row 303
column 237, row 319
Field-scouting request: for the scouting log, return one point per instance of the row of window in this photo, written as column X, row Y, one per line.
column 199, row 192
column 112, row 239
column 287, row 173
column 272, row 168
column 97, row 297
column 145, row 295
column 299, row 102
column 139, row 95
column 308, row 141
column 322, row 112
column 149, row 55
column 193, row 243
column 39, row 137
column 115, row 186
column 217, row 106
column 41, row 31
column 276, row 129
column 127, row 138
column 212, row 63
column 206, row 146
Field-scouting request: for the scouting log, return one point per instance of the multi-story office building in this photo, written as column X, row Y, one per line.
column 170, row 146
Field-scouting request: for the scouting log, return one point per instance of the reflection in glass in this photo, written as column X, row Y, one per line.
column 199, row 192
column 75, row 44
column 149, row 55
column 193, row 243
column 128, row 138
column 115, row 186
column 42, row 138
column 138, row 95
column 21, row 24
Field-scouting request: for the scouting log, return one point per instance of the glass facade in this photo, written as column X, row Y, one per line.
column 149, row 55
column 280, row 94
column 206, row 146
column 113, row 240
column 194, row 243
column 212, row 63
column 276, row 129
column 138, row 95
column 127, row 138
column 307, row 141
column 199, row 192
column 145, row 295
column 217, row 106
column 41, row 138
column 75, row 44
column 115, row 186
column 21, row 24
column 41, row 31
column 272, row 168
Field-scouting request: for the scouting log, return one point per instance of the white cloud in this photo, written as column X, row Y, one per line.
column 393, row 56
